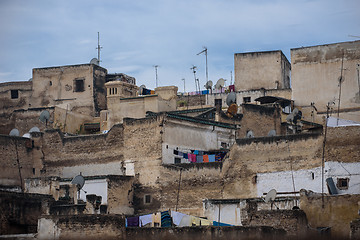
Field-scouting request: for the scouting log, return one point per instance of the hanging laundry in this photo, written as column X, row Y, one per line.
column 152, row 92
column 176, row 152
column 192, row 157
column 195, row 221
column 199, row 158
column 132, row 221
column 215, row 223
column 185, row 155
column 196, row 152
column 217, row 157
column 205, row 222
column 145, row 219
column 211, row 158
column 206, row 158
column 165, row 219
column 185, row 221
column 177, row 217
column 180, row 153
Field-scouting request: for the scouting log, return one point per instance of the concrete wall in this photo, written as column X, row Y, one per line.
column 185, row 135
column 55, row 86
column 253, row 94
column 20, row 212
column 315, row 77
column 331, row 211
column 255, row 70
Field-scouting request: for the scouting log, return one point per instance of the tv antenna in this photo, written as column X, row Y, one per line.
column 98, row 48
column 197, row 84
column 79, row 181
column 341, row 80
column 156, row 74
column 183, row 79
column 205, row 52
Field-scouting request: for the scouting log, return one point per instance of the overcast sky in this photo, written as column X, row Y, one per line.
column 138, row 34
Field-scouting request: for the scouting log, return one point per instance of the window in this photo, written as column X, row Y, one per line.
column 246, row 99
column 14, row 94
column 177, row 160
column 147, row 198
column 342, row 183
column 79, row 85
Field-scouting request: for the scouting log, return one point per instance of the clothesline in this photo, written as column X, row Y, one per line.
column 198, row 156
column 169, row 219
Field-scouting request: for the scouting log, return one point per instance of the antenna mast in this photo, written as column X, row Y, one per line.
column 340, row 82
column 98, row 48
column 156, row 74
column 205, row 51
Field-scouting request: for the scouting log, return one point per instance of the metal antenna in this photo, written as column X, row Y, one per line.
column 231, row 78
column 194, row 71
column 184, row 84
column 156, row 74
column 205, row 51
column 98, row 48
column 340, row 82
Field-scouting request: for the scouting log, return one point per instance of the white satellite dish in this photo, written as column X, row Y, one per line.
column 208, row 84
column 94, row 61
column 220, row 83
column 44, row 116
column 34, row 129
column 26, row 135
column 272, row 133
column 270, row 196
column 250, row 134
column 14, row 132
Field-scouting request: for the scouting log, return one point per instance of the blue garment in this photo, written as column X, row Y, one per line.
column 185, row 155
column 199, row 158
column 165, row 219
column 215, row 223
column 196, row 152
column 211, row 158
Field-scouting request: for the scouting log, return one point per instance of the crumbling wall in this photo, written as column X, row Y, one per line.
column 91, row 154
column 191, row 100
column 99, row 79
column 20, row 212
column 260, row 120
column 335, row 211
column 120, row 195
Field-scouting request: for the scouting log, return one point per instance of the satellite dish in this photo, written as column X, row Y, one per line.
column 14, row 132
column 270, row 196
column 34, row 129
column 272, row 133
column 44, row 116
column 220, row 83
column 94, row 61
column 249, row 134
column 79, row 181
column 141, row 88
column 208, row 84
column 231, row 98
column 295, row 115
column 26, row 135
column 30, row 79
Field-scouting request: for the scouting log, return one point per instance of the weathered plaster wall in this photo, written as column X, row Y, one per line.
column 255, row 70
column 120, row 195
column 260, row 120
column 20, row 212
column 315, row 76
column 68, row 121
column 336, row 212
column 191, row 100
column 7, row 103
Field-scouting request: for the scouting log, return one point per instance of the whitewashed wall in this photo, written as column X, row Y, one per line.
column 282, row 181
column 229, row 213
column 112, row 168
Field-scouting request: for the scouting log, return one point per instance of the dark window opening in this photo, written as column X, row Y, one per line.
column 34, row 171
column 342, row 183
column 14, row 94
column 177, row 160
column 50, row 83
column 147, row 198
column 79, row 85
column 246, row 99
column 312, row 176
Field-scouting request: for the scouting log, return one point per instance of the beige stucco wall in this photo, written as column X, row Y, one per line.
column 55, row 86
column 315, row 77
column 255, row 70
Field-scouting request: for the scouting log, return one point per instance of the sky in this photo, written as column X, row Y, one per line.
column 136, row 35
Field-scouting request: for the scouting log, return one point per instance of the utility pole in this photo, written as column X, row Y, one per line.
column 341, row 79
column 156, row 74
column 98, row 48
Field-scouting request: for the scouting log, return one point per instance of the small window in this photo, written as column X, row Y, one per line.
column 147, row 198
column 312, row 176
column 177, row 160
column 342, row 183
column 14, row 94
column 79, row 85
column 246, row 99
column 50, row 83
